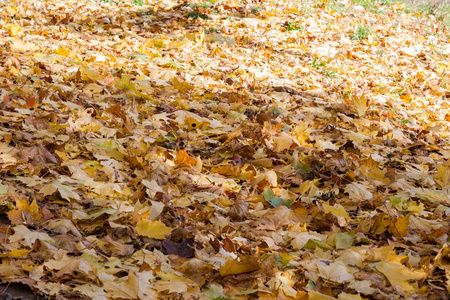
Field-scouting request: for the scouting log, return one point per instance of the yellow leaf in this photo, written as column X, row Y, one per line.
column 336, row 210
column 33, row 209
column 201, row 37
column 62, row 51
column 93, row 88
column 88, row 74
column 15, row 30
column 345, row 296
column 193, row 123
column 400, row 227
column 62, row 155
column 244, row 265
column 16, row 253
column 17, row 45
column 16, row 216
column 181, row 85
column 313, row 295
column 360, row 104
column 121, row 46
column 443, row 175
column 399, row 275
column 382, row 222
column 233, row 3
column 12, row 10
column 22, row 204
column 398, row 6
column 125, row 83
column 283, row 142
column 154, row 230
column 371, row 169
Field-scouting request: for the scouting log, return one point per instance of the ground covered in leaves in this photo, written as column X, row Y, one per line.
column 224, row 150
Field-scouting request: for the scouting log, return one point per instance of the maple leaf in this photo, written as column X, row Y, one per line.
column 152, row 229
column 37, row 154
column 126, row 287
column 66, row 192
column 16, row 253
column 26, row 237
column 239, row 266
column 399, row 275
column 358, row 191
column 184, row 159
column 24, row 212
column 70, row 265
column 17, row 45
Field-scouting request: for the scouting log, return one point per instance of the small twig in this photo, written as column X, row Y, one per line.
column 6, row 287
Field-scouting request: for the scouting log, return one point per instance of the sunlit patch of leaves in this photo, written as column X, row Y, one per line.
column 196, row 163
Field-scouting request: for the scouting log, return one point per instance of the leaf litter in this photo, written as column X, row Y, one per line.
column 224, row 150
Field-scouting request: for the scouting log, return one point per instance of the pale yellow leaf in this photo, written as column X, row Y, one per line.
column 399, row 275
column 17, row 45
column 360, row 104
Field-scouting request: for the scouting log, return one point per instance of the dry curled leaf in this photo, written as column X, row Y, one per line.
column 238, row 211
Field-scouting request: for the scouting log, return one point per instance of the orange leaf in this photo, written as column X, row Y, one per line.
column 227, row 170
column 31, row 102
column 184, row 159
column 15, row 216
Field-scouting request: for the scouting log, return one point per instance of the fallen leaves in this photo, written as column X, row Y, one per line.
column 216, row 150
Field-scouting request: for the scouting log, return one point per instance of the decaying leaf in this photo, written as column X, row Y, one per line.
column 239, row 211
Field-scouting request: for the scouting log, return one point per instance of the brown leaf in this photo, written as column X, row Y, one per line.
column 238, row 211
column 37, row 154
column 183, row 249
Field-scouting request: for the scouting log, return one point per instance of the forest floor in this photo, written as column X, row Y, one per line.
column 224, row 150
